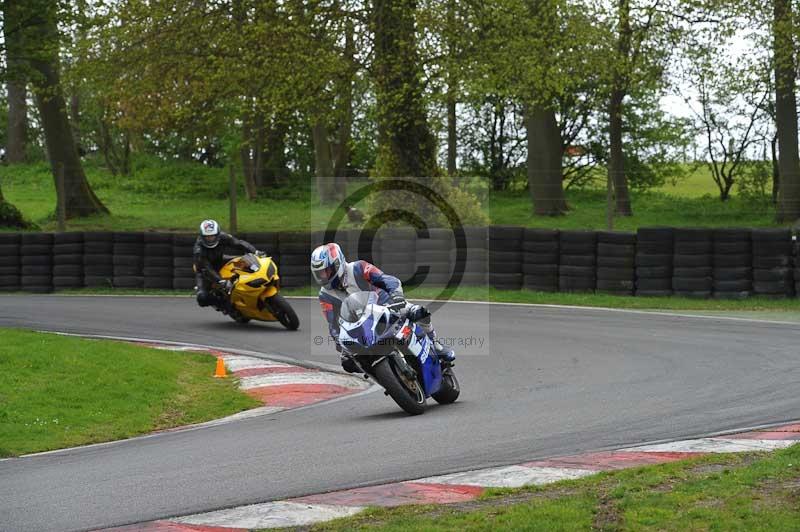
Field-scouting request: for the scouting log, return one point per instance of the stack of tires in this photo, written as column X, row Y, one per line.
column 733, row 261
column 433, row 255
column 505, row 257
column 616, row 263
column 10, row 263
column 128, row 260
column 473, row 261
column 293, row 266
column 266, row 242
column 36, row 254
column 796, row 246
column 158, row 262
column 693, row 263
column 577, row 261
column 540, row 260
column 772, row 262
column 183, row 277
column 67, row 260
column 98, row 259
column 654, row 247
column 397, row 249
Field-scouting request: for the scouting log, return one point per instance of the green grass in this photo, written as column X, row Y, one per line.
column 58, row 391
column 723, row 492
column 174, row 196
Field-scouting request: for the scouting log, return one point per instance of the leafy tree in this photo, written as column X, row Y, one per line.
column 34, row 39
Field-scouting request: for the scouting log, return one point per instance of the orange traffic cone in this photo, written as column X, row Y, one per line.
column 220, row 372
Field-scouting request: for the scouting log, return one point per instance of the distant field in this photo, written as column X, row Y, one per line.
column 175, row 196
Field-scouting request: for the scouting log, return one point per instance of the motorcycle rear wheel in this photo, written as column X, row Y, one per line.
column 284, row 312
column 412, row 401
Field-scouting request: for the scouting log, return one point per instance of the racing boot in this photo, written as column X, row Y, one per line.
column 446, row 355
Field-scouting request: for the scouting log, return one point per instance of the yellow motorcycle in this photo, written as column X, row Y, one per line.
column 254, row 293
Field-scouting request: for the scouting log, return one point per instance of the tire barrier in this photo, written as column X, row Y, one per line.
column 128, row 260
column 772, row 263
column 397, row 253
column 616, row 263
column 474, row 265
column 10, row 262
column 36, row 262
column 98, row 259
column 293, row 265
column 433, row 257
column 692, row 263
column 654, row 248
column 726, row 263
column 577, row 261
column 182, row 261
column 540, row 260
column 68, row 260
column 157, row 266
column 732, row 272
column 505, row 257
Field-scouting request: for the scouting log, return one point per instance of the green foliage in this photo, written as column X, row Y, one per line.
column 755, row 181
column 11, row 217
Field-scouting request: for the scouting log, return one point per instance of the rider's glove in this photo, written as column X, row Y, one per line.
column 261, row 254
column 397, row 299
column 417, row 313
column 226, row 285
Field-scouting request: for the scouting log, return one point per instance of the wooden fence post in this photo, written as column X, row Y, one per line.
column 232, row 225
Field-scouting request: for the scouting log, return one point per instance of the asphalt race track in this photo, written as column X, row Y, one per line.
column 547, row 382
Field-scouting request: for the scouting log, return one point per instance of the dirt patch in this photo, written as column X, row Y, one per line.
column 607, row 516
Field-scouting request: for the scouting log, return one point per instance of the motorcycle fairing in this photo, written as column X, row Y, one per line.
column 420, row 344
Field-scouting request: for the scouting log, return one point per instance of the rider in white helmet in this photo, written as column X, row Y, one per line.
column 209, row 257
column 338, row 278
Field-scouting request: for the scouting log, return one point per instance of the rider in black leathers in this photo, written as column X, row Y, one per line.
column 209, row 257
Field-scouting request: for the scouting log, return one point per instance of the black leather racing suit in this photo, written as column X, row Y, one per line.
column 208, row 261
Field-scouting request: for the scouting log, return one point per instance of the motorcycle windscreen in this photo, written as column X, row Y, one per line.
column 361, row 332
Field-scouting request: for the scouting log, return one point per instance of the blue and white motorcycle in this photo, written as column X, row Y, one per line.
column 395, row 352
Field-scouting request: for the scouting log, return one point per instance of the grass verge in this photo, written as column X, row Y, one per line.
column 58, row 391
column 168, row 195
column 723, row 492
column 483, row 293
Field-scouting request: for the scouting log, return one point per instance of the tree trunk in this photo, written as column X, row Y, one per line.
column 407, row 146
column 274, row 152
column 341, row 152
column 545, row 179
column 616, row 163
column 776, row 175
column 17, row 134
column 323, row 165
column 786, row 113
column 452, row 141
column 80, row 200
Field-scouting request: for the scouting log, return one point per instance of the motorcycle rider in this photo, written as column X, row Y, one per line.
column 209, row 258
column 338, row 279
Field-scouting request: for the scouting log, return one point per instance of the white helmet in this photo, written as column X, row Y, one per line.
column 327, row 265
column 209, row 233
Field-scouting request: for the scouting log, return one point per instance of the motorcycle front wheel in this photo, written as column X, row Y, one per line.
column 450, row 389
column 284, row 312
column 408, row 396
